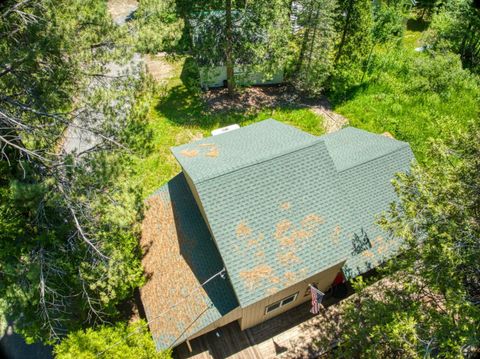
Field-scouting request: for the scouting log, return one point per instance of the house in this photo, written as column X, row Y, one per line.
column 278, row 209
column 207, row 30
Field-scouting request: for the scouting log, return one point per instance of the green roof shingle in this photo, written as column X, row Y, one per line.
column 180, row 255
column 278, row 222
column 366, row 164
column 351, row 147
column 213, row 156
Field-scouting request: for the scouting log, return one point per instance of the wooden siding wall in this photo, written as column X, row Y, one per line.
column 197, row 199
column 255, row 313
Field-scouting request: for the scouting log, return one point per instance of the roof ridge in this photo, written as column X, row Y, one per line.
column 404, row 145
column 254, row 163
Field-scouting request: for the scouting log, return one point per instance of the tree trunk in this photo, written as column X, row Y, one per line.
column 345, row 30
column 229, row 62
column 314, row 35
column 365, row 69
column 305, row 41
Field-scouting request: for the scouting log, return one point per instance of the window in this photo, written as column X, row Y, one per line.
column 281, row 303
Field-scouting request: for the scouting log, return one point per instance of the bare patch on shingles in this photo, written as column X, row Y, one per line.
column 290, row 277
column 301, row 234
column 302, row 272
column 213, row 152
column 243, row 229
column 308, row 227
column 336, row 234
column 311, row 221
column 252, row 242
column 285, row 205
column 381, row 249
column 275, row 280
column 377, row 241
column 255, row 241
column 288, row 258
column 272, row 290
column 189, row 153
column 255, row 275
column 367, row 254
column 206, row 145
column 281, row 228
column 260, row 254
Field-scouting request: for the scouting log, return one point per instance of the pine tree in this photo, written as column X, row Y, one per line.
column 68, row 246
column 355, row 24
column 317, row 36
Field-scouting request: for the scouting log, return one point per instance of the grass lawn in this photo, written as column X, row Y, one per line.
column 179, row 116
column 414, row 96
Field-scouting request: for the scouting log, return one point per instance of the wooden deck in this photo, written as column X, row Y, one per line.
column 289, row 335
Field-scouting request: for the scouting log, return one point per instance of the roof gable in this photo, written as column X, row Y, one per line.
column 283, row 205
column 351, row 147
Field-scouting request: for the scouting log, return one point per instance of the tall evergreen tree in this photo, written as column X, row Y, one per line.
column 316, row 35
column 429, row 307
column 68, row 253
column 245, row 37
column 355, row 24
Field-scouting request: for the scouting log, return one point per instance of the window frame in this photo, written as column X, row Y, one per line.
column 279, row 304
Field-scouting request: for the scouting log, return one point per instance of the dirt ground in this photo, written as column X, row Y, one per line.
column 120, row 9
column 159, row 68
column 256, row 98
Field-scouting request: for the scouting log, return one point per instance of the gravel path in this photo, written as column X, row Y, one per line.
column 332, row 121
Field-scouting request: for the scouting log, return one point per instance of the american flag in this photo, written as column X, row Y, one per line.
column 317, row 298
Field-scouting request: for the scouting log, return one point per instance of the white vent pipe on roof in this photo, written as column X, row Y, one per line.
column 219, row 131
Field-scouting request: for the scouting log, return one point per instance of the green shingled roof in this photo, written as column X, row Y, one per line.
column 278, row 222
column 195, row 258
column 283, row 205
column 217, row 155
column 367, row 163
column 351, row 147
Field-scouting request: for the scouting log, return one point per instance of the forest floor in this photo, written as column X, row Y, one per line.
column 120, row 10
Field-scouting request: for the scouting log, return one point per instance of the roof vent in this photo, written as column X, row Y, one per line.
column 219, row 131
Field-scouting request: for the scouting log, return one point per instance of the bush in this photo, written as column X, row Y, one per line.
column 414, row 97
column 157, row 26
column 118, row 341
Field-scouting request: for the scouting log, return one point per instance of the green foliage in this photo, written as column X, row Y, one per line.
column 414, row 97
column 121, row 340
column 180, row 115
column 156, row 26
column 258, row 43
column 355, row 22
column 47, row 277
column 388, row 22
column 68, row 223
column 457, row 28
column 429, row 307
column 316, row 39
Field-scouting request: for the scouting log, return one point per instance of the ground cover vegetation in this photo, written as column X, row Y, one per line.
column 69, row 221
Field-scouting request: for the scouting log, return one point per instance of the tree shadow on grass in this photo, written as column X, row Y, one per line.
column 184, row 105
column 418, row 25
